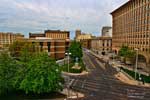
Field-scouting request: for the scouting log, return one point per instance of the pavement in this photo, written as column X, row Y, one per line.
column 102, row 83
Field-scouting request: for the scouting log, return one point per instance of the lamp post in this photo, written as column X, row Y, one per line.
column 136, row 62
column 68, row 54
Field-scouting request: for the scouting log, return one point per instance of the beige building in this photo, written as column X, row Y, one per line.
column 8, row 38
column 131, row 26
column 101, row 45
column 82, row 36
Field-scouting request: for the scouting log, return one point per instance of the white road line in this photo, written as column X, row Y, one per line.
column 83, row 83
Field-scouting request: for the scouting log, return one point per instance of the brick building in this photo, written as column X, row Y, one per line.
column 131, row 26
column 54, row 42
column 8, row 38
column 55, row 48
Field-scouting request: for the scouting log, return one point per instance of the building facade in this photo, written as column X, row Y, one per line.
column 57, row 34
column 54, row 42
column 35, row 35
column 55, row 48
column 131, row 27
column 86, row 43
column 101, row 45
column 107, row 31
column 82, row 36
column 53, row 34
column 8, row 38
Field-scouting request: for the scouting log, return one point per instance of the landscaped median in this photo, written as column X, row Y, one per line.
column 139, row 77
column 73, row 68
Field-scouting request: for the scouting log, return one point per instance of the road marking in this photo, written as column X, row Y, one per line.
column 83, row 83
column 101, row 64
column 90, row 61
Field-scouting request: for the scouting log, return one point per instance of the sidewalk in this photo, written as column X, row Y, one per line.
column 72, row 94
column 121, row 75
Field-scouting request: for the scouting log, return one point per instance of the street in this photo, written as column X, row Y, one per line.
column 100, row 83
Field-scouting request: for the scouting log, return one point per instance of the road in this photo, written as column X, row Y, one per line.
column 100, row 83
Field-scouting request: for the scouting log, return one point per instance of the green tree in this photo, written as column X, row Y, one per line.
column 7, row 72
column 43, row 75
column 125, row 51
column 76, row 50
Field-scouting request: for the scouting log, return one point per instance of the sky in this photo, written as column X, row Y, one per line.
column 26, row 16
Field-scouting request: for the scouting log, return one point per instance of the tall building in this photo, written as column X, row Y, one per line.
column 107, row 31
column 8, row 38
column 131, row 27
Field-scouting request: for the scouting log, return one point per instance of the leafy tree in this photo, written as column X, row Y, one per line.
column 32, row 72
column 19, row 46
column 76, row 50
column 7, row 72
column 43, row 75
column 127, row 53
column 123, row 51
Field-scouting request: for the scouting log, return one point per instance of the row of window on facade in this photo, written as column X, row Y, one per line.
column 142, row 49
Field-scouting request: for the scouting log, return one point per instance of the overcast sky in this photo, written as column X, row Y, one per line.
column 38, row 15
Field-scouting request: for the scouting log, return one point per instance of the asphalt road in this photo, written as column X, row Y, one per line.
column 100, row 83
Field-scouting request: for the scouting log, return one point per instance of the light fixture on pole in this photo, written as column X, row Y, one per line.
column 136, row 49
column 68, row 54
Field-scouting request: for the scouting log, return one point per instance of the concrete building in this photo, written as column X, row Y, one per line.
column 101, row 45
column 8, row 38
column 107, row 31
column 131, row 26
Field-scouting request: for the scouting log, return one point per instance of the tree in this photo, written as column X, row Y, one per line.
column 32, row 72
column 7, row 72
column 126, row 52
column 43, row 75
column 76, row 50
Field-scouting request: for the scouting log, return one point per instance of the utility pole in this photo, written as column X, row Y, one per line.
column 136, row 62
column 68, row 54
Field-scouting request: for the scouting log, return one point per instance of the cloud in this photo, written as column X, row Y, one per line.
column 35, row 15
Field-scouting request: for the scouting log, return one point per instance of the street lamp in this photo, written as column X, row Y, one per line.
column 68, row 54
column 136, row 49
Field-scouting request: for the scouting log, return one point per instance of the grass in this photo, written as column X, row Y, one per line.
column 132, row 74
